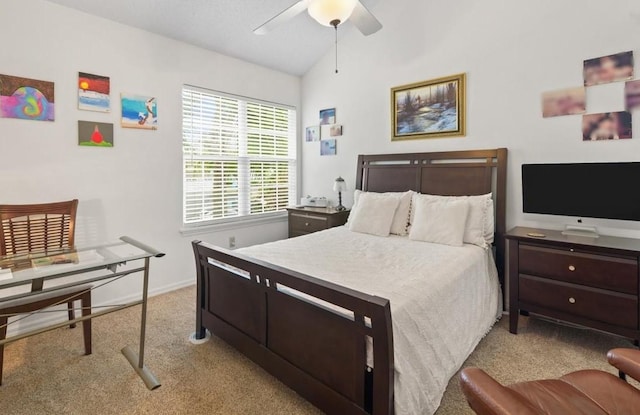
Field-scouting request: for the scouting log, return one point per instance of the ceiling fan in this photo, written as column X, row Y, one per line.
column 328, row 13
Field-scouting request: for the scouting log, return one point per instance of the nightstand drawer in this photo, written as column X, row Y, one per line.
column 607, row 272
column 591, row 303
column 307, row 223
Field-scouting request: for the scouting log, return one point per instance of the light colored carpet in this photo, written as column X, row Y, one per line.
column 48, row 374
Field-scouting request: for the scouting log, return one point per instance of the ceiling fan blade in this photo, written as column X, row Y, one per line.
column 282, row 17
column 364, row 20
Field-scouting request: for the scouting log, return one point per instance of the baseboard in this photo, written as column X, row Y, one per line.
column 48, row 318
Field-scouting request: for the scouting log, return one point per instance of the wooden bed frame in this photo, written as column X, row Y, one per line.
column 310, row 348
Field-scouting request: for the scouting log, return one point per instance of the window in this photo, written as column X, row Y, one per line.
column 239, row 156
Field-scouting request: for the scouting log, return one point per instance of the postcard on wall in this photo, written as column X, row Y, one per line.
column 93, row 92
column 312, row 133
column 27, row 99
column 564, row 102
column 336, row 130
column 632, row 95
column 139, row 112
column 606, row 126
column 328, row 116
column 612, row 68
column 95, row 134
column 328, row 148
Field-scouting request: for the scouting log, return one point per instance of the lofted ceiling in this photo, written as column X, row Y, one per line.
column 226, row 26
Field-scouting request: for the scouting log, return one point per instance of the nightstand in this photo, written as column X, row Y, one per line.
column 304, row 220
column 592, row 282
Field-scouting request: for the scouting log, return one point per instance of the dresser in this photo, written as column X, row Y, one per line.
column 304, row 220
column 592, row 282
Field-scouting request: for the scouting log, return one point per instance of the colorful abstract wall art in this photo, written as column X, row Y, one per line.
column 139, row 112
column 612, row 68
column 606, row 126
column 27, row 99
column 95, row 134
column 564, row 102
column 93, row 92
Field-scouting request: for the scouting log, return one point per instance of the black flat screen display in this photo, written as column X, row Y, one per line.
column 595, row 190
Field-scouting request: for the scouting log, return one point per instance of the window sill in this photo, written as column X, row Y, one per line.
column 234, row 223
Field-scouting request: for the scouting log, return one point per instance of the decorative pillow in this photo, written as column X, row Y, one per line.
column 373, row 214
column 479, row 229
column 439, row 221
column 400, row 224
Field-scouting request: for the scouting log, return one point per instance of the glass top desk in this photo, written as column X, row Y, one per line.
column 85, row 265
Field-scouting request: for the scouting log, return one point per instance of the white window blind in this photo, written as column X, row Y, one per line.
column 239, row 156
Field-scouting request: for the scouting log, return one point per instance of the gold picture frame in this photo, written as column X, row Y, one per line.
column 436, row 109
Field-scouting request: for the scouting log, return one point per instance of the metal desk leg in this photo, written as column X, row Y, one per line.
column 138, row 361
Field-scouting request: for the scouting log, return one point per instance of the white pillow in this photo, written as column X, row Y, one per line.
column 480, row 223
column 400, row 224
column 439, row 221
column 373, row 214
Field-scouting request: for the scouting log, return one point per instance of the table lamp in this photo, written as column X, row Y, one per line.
column 339, row 185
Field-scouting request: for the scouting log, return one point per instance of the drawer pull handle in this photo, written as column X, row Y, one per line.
column 572, row 268
column 572, row 300
column 306, row 224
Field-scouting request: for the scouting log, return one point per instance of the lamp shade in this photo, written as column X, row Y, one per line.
column 326, row 11
column 339, row 185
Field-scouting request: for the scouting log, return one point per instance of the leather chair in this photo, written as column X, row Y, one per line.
column 585, row 392
column 40, row 228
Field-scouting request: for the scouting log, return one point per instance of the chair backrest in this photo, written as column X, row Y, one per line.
column 39, row 227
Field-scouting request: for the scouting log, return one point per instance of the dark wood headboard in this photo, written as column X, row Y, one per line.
column 450, row 173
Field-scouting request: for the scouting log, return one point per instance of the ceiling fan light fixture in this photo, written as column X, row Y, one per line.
column 326, row 12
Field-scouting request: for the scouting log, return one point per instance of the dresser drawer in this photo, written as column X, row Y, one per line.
column 306, row 223
column 592, row 303
column 611, row 273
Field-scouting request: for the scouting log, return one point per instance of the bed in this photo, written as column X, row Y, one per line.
column 316, row 323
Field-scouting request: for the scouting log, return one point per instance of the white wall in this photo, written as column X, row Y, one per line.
column 135, row 188
column 511, row 50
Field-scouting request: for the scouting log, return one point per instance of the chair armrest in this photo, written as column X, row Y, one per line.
column 626, row 361
column 488, row 397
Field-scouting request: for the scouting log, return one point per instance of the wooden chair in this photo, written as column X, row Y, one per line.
column 40, row 228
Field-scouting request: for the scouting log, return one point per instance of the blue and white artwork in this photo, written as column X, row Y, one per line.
column 139, row 112
column 328, row 147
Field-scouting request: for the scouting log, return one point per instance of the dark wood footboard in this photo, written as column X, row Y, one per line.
column 315, row 350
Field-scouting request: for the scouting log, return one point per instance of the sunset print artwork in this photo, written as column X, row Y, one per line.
column 93, row 92
column 27, row 99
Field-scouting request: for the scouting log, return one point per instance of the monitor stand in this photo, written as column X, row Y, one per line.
column 584, row 231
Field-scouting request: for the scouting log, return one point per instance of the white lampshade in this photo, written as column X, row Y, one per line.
column 325, row 11
column 339, row 185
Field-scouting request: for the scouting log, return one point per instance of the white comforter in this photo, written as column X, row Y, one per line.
column 443, row 299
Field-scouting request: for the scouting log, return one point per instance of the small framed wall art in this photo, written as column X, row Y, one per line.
column 312, row 133
column 139, row 112
column 611, row 68
column 328, row 147
column 429, row 109
column 606, row 126
column 328, row 116
column 27, row 99
column 564, row 102
column 95, row 134
column 93, row 92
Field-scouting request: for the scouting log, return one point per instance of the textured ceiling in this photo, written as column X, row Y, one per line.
column 226, row 26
